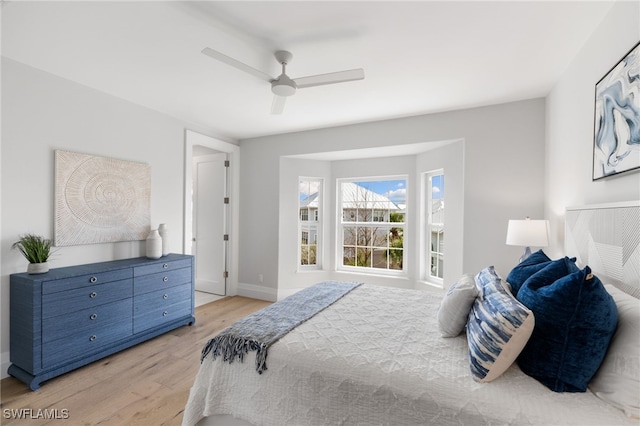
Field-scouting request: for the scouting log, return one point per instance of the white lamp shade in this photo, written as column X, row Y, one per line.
column 528, row 233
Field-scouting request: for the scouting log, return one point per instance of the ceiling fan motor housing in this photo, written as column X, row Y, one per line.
column 283, row 86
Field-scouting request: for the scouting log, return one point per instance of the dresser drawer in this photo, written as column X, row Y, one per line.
column 161, row 306
column 82, row 344
column 170, row 278
column 87, row 280
column 161, row 267
column 64, row 302
column 95, row 318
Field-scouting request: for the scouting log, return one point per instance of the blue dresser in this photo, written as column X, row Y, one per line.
column 72, row 316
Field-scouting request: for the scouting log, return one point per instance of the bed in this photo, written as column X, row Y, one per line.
column 377, row 356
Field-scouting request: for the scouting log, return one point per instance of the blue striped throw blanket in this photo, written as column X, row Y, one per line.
column 261, row 329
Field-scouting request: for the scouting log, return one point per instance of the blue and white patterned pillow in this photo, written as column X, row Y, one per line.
column 498, row 328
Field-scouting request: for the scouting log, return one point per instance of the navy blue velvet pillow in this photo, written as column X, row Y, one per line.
column 575, row 321
column 525, row 269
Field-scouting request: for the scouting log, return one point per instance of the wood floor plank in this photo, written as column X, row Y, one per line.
column 147, row 384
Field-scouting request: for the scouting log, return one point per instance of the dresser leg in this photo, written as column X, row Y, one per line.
column 32, row 381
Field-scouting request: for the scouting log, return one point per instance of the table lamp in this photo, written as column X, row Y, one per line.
column 527, row 233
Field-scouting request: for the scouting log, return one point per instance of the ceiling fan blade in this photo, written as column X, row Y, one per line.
column 330, row 78
column 237, row 64
column 278, row 104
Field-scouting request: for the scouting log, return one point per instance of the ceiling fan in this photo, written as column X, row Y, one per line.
column 284, row 86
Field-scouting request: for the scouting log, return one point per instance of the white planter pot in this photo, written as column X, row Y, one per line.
column 37, row 268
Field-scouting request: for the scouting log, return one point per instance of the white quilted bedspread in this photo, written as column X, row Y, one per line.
column 376, row 357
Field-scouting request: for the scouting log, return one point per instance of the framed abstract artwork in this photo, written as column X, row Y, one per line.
column 100, row 199
column 616, row 140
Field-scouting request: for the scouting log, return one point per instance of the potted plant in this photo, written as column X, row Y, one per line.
column 36, row 250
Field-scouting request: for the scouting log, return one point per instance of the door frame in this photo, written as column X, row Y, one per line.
column 233, row 151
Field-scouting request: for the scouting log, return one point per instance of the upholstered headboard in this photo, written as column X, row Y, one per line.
column 607, row 238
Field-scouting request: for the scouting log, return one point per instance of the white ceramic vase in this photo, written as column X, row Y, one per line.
column 154, row 245
column 164, row 234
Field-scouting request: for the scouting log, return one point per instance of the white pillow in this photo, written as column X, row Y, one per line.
column 455, row 306
column 618, row 379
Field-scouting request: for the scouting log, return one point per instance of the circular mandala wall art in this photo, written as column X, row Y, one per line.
column 100, row 199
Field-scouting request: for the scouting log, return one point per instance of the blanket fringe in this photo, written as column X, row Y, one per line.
column 231, row 348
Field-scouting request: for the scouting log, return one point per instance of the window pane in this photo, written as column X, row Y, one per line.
column 363, row 257
column 395, row 258
column 349, row 236
column 364, row 236
column 436, row 218
column 349, row 256
column 380, row 258
column 374, row 205
column 309, row 204
column 380, row 237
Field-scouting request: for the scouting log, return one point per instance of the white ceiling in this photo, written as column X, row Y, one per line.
column 419, row 57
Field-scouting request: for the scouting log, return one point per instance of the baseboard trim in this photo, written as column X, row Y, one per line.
column 257, row 292
column 4, row 365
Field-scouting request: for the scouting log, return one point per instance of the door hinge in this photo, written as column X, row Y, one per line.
column 225, row 237
column 225, row 274
column 226, row 163
column 226, row 200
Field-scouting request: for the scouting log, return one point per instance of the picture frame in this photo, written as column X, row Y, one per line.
column 616, row 137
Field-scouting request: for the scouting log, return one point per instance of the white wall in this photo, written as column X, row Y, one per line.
column 570, row 124
column 42, row 113
column 503, row 179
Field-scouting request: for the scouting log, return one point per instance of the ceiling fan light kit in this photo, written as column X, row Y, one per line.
column 284, row 86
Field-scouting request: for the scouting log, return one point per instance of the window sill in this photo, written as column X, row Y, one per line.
column 396, row 275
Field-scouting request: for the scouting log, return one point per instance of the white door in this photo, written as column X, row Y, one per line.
column 209, row 222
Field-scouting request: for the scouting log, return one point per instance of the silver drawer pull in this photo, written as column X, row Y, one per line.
column 93, row 338
column 165, row 266
column 93, row 316
column 93, row 279
column 165, row 296
column 165, row 279
column 165, row 313
column 93, row 294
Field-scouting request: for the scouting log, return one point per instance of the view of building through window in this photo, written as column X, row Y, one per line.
column 435, row 202
column 309, row 204
column 373, row 223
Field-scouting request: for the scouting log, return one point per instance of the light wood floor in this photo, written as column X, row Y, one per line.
column 147, row 384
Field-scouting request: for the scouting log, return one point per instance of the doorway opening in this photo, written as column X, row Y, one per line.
column 209, row 208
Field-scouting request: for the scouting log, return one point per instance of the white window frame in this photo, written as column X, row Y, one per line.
column 342, row 225
column 429, row 227
column 305, row 226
